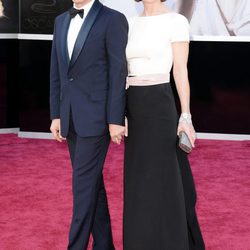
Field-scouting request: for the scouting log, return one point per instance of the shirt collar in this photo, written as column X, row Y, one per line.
column 86, row 7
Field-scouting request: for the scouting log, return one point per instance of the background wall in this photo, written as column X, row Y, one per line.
column 9, row 83
column 37, row 17
column 219, row 74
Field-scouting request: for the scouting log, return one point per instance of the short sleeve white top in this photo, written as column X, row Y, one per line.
column 149, row 50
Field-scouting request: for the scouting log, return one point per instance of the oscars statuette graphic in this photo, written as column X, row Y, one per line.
column 1, row 9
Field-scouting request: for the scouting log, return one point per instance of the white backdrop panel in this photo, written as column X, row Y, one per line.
column 207, row 17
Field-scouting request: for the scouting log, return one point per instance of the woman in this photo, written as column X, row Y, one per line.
column 159, row 193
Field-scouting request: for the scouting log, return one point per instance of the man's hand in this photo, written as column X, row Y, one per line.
column 55, row 129
column 116, row 133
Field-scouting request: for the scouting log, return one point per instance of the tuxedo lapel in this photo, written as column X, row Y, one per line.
column 63, row 38
column 84, row 31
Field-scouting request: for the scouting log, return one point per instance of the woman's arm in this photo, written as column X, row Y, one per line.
column 180, row 72
column 180, row 57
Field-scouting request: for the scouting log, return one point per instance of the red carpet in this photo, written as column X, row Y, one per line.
column 35, row 193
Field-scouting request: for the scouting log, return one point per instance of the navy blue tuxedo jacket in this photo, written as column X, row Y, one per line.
column 92, row 83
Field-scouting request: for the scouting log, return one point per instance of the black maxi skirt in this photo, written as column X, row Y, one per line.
column 159, row 191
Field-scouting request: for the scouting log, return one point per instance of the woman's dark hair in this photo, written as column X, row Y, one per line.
column 141, row 0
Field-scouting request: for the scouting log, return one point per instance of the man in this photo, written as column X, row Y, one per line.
column 87, row 100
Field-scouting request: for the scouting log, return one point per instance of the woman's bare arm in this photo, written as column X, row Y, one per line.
column 180, row 72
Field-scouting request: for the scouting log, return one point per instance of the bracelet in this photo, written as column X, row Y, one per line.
column 185, row 118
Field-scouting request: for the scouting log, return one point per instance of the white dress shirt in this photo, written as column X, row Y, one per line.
column 75, row 26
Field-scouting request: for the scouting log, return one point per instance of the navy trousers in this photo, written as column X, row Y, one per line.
column 90, row 208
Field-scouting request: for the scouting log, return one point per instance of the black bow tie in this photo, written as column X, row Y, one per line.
column 73, row 12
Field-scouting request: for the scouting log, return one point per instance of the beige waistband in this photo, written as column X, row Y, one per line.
column 147, row 80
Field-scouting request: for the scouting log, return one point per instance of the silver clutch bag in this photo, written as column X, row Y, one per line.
column 184, row 142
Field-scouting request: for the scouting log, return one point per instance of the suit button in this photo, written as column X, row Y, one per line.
column 71, row 79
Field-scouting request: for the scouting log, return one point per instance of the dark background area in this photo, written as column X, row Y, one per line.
column 9, row 83
column 220, row 86
column 34, row 85
column 218, row 71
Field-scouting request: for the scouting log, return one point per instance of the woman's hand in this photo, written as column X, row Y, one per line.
column 189, row 130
